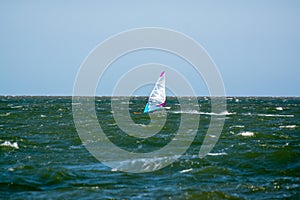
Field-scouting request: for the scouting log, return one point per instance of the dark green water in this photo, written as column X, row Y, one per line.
column 256, row 157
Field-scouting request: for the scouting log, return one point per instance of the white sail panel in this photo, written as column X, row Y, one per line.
column 157, row 98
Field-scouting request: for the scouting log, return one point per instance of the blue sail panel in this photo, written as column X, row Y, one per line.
column 149, row 109
column 146, row 110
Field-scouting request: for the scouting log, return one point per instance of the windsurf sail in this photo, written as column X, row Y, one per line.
column 157, row 98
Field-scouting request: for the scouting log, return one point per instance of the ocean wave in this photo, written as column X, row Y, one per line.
column 74, row 104
column 266, row 115
column 186, row 170
column 288, row 126
column 246, row 134
column 76, row 147
column 142, row 125
column 147, row 164
column 9, row 144
column 16, row 107
column 111, row 124
column 217, row 154
column 203, row 113
column 237, row 126
column 279, row 108
column 218, row 114
column 274, row 115
column 4, row 115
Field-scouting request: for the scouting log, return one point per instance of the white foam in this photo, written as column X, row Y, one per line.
column 9, row 144
column 246, row 134
column 247, row 114
column 113, row 124
column 16, row 107
column 76, row 147
column 204, row 113
column 11, row 169
column 74, row 104
column 4, row 115
column 279, row 108
column 237, row 126
column 217, row 154
column 186, row 170
column 274, row 115
column 288, row 126
column 147, row 164
column 218, row 114
column 142, row 125
column 187, row 112
column 43, row 116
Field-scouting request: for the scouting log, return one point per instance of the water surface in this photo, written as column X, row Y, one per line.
column 256, row 157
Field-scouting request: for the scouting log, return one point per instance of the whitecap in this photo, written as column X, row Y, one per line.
column 76, row 147
column 4, row 115
column 43, row 116
column 218, row 114
column 246, row 134
column 247, row 114
column 11, row 169
column 288, row 126
column 16, row 106
column 274, row 115
column 74, row 104
column 9, row 144
column 143, row 125
column 217, row 154
column 237, row 126
column 279, row 108
column 112, row 124
column 203, row 113
column 186, row 170
column 187, row 112
column 147, row 164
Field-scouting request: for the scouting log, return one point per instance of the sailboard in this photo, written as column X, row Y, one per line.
column 157, row 97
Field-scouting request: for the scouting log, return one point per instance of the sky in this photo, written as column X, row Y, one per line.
column 254, row 44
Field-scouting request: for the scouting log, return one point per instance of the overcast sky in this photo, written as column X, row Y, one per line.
column 255, row 44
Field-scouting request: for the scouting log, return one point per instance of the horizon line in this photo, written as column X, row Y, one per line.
column 55, row 95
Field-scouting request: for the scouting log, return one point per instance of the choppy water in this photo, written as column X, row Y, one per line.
column 256, row 157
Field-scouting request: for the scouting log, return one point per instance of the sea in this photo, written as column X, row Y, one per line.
column 256, row 156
